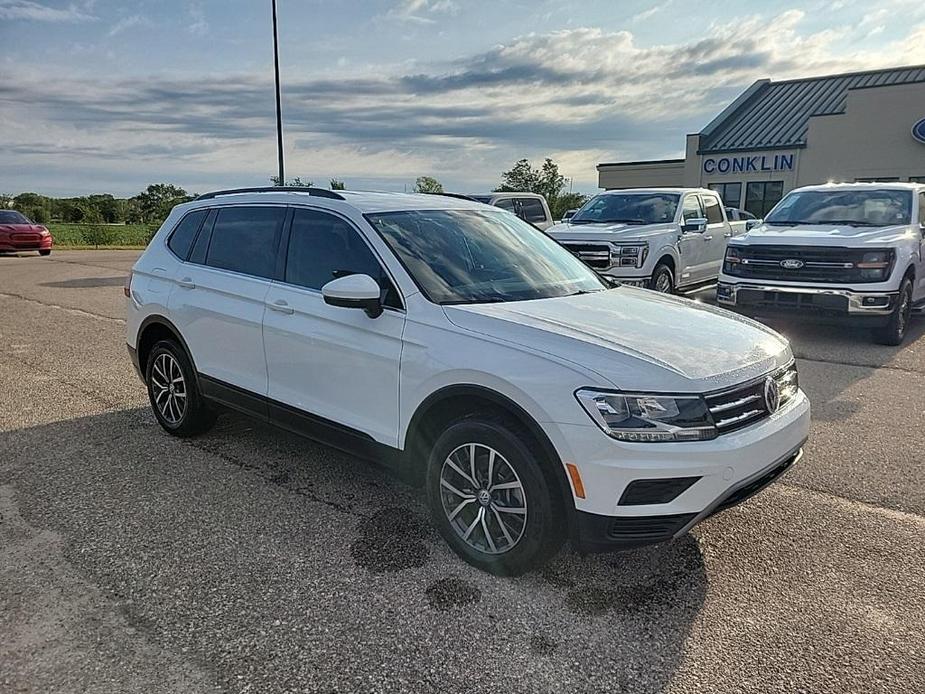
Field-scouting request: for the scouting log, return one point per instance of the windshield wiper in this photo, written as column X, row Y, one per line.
column 609, row 221
column 787, row 222
column 852, row 223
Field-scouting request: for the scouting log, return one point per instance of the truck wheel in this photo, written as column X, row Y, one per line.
column 662, row 279
column 894, row 332
column 489, row 498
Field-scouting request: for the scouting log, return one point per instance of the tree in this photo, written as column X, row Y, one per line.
column 427, row 184
column 565, row 202
column 297, row 181
column 337, row 185
column 155, row 203
column 546, row 180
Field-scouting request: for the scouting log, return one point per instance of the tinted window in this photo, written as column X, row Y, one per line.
column 628, row 208
column 505, row 204
column 761, row 196
column 12, row 217
column 323, row 247
column 729, row 193
column 712, row 208
column 692, row 209
column 922, row 208
column 532, row 210
column 471, row 256
column 244, row 239
column 181, row 240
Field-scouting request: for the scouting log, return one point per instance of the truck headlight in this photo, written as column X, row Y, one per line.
column 876, row 265
column 629, row 255
column 648, row 417
column 732, row 261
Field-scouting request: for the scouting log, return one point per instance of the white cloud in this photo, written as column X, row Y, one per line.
column 126, row 23
column 198, row 25
column 422, row 11
column 651, row 12
column 37, row 12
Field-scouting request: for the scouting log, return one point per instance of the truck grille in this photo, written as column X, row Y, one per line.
column 800, row 264
column 746, row 404
column 596, row 255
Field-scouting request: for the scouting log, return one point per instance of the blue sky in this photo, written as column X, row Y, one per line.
column 109, row 96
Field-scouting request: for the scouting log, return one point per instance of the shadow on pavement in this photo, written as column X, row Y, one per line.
column 86, row 282
column 274, row 562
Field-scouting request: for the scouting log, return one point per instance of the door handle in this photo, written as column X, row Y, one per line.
column 281, row 306
column 727, row 235
column 187, row 283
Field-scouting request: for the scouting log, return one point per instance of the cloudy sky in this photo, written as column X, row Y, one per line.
column 111, row 95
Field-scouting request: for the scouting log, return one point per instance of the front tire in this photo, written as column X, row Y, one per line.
column 174, row 392
column 45, row 251
column 490, row 498
column 894, row 332
column 662, row 279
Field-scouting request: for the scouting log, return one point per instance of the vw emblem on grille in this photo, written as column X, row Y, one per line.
column 771, row 395
column 792, row 264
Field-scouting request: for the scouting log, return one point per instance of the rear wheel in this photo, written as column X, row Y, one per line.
column 490, row 499
column 174, row 392
column 662, row 279
column 45, row 251
column 894, row 332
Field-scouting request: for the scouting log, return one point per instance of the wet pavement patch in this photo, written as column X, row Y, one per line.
column 391, row 540
column 451, row 592
column 542, row 644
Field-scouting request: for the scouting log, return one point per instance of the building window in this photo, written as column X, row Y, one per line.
column 729, row 193
column 878, row 179
column 761, row 196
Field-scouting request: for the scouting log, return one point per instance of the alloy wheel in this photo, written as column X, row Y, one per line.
column 168, row 388
column 663, row 283
column 483, row 498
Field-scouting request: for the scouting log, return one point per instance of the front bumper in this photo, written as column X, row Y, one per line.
column 10, row 244
column 597, row 533
column 867, row 307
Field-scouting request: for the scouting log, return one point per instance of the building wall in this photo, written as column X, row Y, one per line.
column 872, row 139
column 643, row 175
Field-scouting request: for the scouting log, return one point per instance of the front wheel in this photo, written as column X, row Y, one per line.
column 662, row 279
column 45, row 251
column 490, row 499
column 174, row 392
column 894, row 332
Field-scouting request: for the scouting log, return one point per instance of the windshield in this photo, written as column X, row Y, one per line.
column 12, row 217
column 475, row 256
column 875, row 208
column 631, row 208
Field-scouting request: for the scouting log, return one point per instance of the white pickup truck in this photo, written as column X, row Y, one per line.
column 667, row 239
column 848, row 252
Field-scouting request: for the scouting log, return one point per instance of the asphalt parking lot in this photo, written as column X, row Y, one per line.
column 250, row 560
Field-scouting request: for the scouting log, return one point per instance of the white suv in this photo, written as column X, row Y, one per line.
column 850, row 253
column 456, row 341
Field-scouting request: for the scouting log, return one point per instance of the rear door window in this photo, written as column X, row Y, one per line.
column 181, row 239
column 713, row 210
column 505, row 204
column 245, row 239
column 532, row 210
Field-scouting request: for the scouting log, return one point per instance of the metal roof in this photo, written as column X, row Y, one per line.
column 774, row 115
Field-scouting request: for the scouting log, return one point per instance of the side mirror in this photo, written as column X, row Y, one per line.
column 752, row 223
column 354, row 291
column 695, row 225
column 568, row 215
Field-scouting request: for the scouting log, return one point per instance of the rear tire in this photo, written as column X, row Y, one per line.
column 513, row 516
column 894, row 332
column 662, row 279
column 174, row 391
column 45, row 251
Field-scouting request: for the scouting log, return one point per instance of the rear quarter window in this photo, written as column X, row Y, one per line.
column 183, row 235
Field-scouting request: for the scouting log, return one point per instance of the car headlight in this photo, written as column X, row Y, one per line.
column 876, row 265
column 629, row 255
column 732, row 261
column 649, row 417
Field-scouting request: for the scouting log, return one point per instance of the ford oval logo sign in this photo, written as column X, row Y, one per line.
column 918, row 131
column 792, row 264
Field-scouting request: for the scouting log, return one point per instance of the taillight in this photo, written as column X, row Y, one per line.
column 127, row 285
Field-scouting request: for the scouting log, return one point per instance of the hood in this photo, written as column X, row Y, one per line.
column 565, row 231
column 21, row 228
column 635, row 339
column 826, row 235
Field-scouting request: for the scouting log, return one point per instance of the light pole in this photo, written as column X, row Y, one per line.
column 279, row 109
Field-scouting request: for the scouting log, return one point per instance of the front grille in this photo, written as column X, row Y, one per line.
column 596, row 255
column 746, row 404
column 25, row 238
column 824, row 265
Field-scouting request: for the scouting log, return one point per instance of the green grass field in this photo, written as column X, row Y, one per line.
column 101, row 235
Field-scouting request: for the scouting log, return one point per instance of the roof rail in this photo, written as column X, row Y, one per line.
column 317, row 192
column 459, row 196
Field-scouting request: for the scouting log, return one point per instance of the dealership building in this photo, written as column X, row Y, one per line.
column 776, row 136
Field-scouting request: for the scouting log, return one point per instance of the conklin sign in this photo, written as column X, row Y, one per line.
column 748, row 164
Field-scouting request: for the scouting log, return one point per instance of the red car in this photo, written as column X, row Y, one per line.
column 18, row 233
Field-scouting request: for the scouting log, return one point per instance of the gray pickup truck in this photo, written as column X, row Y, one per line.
column 667, row 239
